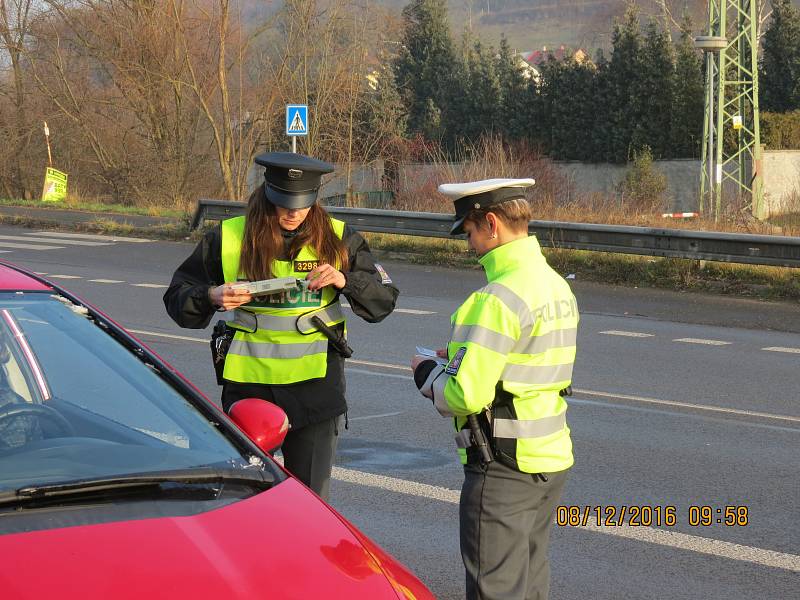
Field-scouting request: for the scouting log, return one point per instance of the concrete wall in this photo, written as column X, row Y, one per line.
column 781, row 169
column 683, row 180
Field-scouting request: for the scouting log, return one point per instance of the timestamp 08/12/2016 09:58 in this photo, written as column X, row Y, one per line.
column 648, row 515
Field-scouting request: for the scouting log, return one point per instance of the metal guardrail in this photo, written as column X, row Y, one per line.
column 772, row 250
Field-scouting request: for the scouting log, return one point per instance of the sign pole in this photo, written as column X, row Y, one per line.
column 47, row 138
column 294, row 144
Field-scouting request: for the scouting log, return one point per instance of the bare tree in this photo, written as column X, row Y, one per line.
column 15, row 128
column 235, row 115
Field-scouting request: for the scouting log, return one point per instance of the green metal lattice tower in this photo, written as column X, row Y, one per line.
column 731, row 152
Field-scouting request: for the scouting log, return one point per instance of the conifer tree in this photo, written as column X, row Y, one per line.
column 568, row 95
column 657, row 88
column 516, row 115
column 480, row 96
column 779, row 78
column 599, row 108
column 686, row 130
column 424, row 67
column 625, row 90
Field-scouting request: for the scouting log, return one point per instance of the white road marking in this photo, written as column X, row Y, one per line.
column 377, row 364
column 149, row 285
column 718, row 409
column 40, row 273
column 365, row 417
column 65, row 276
column 106, row 281
column 652, row 535
column 389, row 375
column 628, row 333
column 701, row 341
column 29, row 246
column 735, row 411
column 781, row 349
column 668, row 412
column 90, row 236
column 171, row 336
column 408, row 311
column 58, row 241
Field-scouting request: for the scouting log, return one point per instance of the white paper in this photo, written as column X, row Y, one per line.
column 426, row 352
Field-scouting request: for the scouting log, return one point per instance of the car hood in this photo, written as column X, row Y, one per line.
column 281, row 543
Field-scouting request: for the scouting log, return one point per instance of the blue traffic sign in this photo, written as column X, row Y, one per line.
column 296, row 119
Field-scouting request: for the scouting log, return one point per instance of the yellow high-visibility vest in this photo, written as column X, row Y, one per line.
column 513, row 347
column 267, row 346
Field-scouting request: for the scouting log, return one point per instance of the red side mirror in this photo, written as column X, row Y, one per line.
column 263, row 422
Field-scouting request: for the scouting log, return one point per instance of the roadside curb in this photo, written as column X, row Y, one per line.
column 89, row 222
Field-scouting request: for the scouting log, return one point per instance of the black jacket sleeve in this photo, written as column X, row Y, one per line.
column 186, row 299
column 371, row 294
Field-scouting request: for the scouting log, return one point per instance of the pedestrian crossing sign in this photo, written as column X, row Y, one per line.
column 296, row 119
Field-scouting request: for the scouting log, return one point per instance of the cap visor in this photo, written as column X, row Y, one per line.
column 458, row 226
column 294, row 200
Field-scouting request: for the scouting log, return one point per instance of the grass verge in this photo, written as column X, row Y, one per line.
column 176, row 231
column 83, row 206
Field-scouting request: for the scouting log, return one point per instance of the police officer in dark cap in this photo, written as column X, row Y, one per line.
column 286, row 348
column 292, row 180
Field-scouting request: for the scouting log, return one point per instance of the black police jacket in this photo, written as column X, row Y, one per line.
column 371, row 297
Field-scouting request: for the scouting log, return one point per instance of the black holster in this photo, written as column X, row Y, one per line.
column 221, row 339
column 505, row 449
column 336, row 339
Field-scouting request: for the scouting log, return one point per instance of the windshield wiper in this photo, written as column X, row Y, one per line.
column 137, row 483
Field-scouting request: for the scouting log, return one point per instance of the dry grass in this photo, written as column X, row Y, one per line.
column 553, row 198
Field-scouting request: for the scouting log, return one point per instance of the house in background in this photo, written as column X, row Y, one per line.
column 536, row 57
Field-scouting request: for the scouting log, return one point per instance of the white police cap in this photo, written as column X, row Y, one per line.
column 481, row 194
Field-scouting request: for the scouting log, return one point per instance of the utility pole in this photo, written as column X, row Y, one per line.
column 731, row 104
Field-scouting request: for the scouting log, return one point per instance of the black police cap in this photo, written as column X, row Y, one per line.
column 292, row 180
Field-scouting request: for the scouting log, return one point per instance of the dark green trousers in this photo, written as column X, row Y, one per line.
column 505, row 521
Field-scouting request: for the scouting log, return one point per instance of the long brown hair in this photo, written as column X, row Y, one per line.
column 263, row 241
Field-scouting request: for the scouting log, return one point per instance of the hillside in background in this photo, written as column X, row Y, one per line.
column 529, row 24
column 534, row 24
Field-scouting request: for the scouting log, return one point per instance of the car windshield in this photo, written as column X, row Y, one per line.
column 76, row 404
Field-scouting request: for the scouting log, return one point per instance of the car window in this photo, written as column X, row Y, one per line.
column 75, row 403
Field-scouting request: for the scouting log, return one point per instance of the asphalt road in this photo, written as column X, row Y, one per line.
column 681, row 400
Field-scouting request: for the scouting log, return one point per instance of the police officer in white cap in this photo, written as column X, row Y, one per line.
column 502, row 379
column 278, row 352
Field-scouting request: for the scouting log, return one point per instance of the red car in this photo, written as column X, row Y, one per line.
column 118, row 479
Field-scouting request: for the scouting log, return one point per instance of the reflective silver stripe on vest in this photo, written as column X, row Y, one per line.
column 542, row 343
column 437, row 391
column 269, row 350
column 248, row 321
column 518, row 429
column 512, row 300
column 329, row 314
column 483, row 336
column 538, row 374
